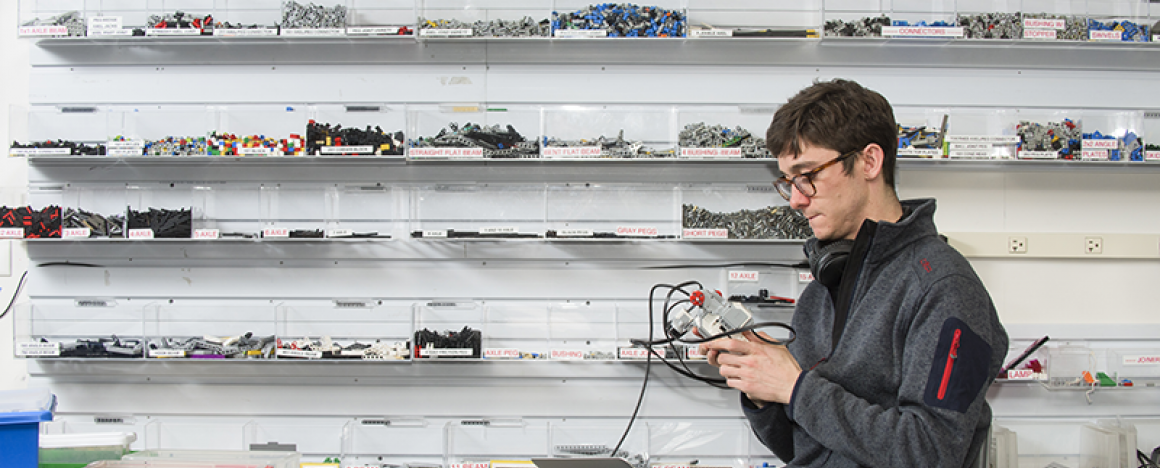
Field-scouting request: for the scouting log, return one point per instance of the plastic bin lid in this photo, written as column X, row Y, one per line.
column 26, row 400
column 94, row 439
column 170, row 464
column 25, row 418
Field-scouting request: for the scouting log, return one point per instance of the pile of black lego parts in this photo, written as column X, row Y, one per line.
column 467, row 338
column 37, row 224
column 166, row 224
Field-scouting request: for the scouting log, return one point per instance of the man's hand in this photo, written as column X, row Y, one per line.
column 762, row 371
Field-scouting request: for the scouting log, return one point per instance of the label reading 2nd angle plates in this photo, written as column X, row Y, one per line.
column 637, row 231
column 141, row 234
column 705, row 234
column 710, row 152
column 501, row 353
column 567, row 354
column 206, row 233
column 38, row 349
column 75, row 233
column 743, row 276
column 1142, row 360
column 571, row 152
column 11, row 233
column 276, row 232
column 445, row 153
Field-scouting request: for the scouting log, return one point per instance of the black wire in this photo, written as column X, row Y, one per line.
column 19, row 286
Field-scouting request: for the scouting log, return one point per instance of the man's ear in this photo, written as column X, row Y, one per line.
column 872, row 157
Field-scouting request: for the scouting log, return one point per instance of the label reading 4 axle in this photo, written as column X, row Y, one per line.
column 11, row 233
column 38, row 349
column 141, row 234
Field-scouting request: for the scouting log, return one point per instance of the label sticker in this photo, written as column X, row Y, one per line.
column 439, row 32
column 140, row 233
column 694, row 352
column 636, row 353
column 501, row 353
column 434, row 234
column 705, row 234
column 1040, row 34
column 206, row 233
column 1020, row 374
column 1094, row 155
column 920, row 152
column 172, row 32
column 579, row 33
column 571, row 152
column 471, row 465
column 1099, row 144
column 339, row 233
column 75, row 233
column 993, row 139
column 567, row 354
column 575, row 233
column 373, row 31
column 743, row 276
column 38, row 349
column 969, row 146
column 1142, row 360
column 699, row 33
column 1038, row 155
column 437, row 352
column 298, row 353
column 1106, row 36
column 11, row 233
column 43, row 31
column 104, row 24
column 710, row 152
column 805, row 277
column 324, row 32
column 40, row 151
column 922, row 31
column 499, row 230
column 445, row 152
column 166, row 353
column 964, row 154
column 1044, row 23
column 255, row 32
column 110, row 33
column 1152, row 155
column 256, row 151
column 637, row 231
column 276, row 232
column 347, row 150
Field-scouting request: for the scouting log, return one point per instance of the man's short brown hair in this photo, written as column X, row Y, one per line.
column 839, row 115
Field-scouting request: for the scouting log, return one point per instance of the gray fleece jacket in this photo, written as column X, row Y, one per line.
column 906, row 384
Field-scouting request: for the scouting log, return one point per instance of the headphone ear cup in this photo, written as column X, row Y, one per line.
column 829, row 261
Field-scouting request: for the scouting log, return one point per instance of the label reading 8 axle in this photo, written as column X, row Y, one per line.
column 38, row 349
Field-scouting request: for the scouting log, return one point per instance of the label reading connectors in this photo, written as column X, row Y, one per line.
column 1049, row 34
column 922, row 31
column 435, row 153
column 710, row 152
column 206, row 234
column 575, row 233
column 743, row 276
column 699, row 33
column 571, row 152
column 276, row 232
column 567, row 354
column 43, row 31
column 11, row 233
column 140, row 234
column 38, row 349
column 1106, row 36
column 705, row 234
column 1142, row 360
column 166, row 353
column 501, row 353
column 75, row 233
column 637, row 231
column 298, row 353
column 579, row 33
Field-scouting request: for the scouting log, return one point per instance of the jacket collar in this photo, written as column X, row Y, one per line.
column 917, row 222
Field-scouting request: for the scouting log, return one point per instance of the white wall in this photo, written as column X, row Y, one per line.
column 13, row 181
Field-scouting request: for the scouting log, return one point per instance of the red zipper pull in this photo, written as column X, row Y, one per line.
column 951, row 356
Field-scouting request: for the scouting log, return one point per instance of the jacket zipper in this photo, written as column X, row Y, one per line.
column 954, row 354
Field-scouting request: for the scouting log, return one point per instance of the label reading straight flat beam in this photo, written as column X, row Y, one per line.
column 420, row 153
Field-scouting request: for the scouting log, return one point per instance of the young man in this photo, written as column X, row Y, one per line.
column 897, row 339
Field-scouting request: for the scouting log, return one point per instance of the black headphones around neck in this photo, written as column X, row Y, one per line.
column 828, row 260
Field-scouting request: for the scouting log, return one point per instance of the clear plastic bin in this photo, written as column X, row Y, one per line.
column 219, row 457
column 62, row 449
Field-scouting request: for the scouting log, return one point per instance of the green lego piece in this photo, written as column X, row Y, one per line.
column 1105, row 381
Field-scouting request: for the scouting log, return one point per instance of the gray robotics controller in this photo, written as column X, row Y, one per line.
column 711, row 314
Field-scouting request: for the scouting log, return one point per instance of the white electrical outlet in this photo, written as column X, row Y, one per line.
column 1093, row 245
column 1017, row 245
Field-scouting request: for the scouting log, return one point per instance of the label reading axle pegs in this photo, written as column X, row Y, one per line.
column 501, row 353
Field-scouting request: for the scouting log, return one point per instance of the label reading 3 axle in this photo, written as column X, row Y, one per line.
column 637, row 231
column 501, row 353
column 38, row 349
column 75, row 233
column 567, row 354
column 11, row 233
column 276, row 232
column 206, row 234
column 140, row 234
column 705, row 234
column 743, row 276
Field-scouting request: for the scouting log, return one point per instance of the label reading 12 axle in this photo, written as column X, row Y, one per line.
column 743, row 276
column 705, row 234
column 38, row 349
column 11, row 233
column 710, row 152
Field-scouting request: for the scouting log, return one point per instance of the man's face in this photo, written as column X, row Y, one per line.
column 836, row 210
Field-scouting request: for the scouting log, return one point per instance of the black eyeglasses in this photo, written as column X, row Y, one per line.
column 805, row 181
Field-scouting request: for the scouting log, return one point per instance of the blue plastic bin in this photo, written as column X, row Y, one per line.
column 21, row 412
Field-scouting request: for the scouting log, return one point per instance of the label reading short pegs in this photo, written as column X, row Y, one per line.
column 575, row 233
column 31, row 31
column 1094, row 155
column 1047, row 34
column 1038, row 155
column 75, row 233
column 579, row 33
column 702, row 33
column 140, row 234
column 805, row 277
column 166, row 353
column 495, row 230
column 567, row 354
column 38, row 349
column 1044, row 23
column 437, row 153
column 11, row 233
column 1106, row 36
column 373, row 31
column 501, row 353
column 711, row 153
column 437, row 352
column 1152, row 155
column 571, row 152
column 743, row 276
column 347, row 150
column 434, row 234
column 298, row 353
column 1020, row 374
column 922, row 31
column 276, row 232
column 705, row 234
column 332, row 233
column 1142, row 360
column 444, row 32
column 637, row 231
column 206, row 234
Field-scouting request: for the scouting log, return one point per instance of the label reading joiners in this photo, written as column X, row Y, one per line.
column 1142, row 360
